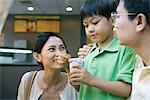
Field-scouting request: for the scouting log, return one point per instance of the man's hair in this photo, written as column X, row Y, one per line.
column 98, row 7
column 138, row 6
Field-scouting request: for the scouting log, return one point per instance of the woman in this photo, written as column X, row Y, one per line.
column 50, row 83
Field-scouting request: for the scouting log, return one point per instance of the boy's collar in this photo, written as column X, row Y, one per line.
column 113, row 46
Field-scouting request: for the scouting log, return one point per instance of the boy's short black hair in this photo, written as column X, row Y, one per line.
column 138, row 6
column 98, row 7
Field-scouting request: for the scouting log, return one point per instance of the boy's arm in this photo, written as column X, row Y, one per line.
column 119, row 88
column 114, row 87
column 81, row 54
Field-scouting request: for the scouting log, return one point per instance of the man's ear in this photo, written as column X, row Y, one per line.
column 140, row 22
column 37, row 56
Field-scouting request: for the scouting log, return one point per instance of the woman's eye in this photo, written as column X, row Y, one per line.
column 51, row 49
column 62, row 48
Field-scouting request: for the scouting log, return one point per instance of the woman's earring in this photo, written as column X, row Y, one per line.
column 39, row 60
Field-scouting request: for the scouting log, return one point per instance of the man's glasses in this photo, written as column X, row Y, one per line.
column 115, row 16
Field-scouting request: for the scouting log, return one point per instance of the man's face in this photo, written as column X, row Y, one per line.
column 125, row 27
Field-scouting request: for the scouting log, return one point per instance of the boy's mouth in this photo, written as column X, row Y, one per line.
column 93, row 36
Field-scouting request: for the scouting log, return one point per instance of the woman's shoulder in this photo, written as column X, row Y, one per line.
column 26, row 75
column 69, row 92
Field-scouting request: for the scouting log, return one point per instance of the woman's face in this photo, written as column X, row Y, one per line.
column 52, row 49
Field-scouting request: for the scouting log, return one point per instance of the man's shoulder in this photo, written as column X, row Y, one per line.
column 127, row 48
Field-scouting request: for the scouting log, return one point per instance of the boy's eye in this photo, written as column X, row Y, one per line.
column 85, row 25
column 95, row 22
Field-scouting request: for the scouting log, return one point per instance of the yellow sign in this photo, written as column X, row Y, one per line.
column 37, row 24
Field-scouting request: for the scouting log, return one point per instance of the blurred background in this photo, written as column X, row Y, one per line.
column 21, row 21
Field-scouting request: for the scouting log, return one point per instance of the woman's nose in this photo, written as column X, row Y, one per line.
column 58, row 53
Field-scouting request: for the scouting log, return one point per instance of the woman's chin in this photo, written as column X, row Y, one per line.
column 59, row 67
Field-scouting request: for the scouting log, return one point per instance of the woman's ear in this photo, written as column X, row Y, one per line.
column 37, row 56
column 140, row 22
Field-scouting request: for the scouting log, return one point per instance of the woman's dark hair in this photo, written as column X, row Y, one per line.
column 138, row 6
column 98, row 7
column 42, row 39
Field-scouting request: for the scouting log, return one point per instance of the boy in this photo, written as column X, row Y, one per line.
column 108, row 66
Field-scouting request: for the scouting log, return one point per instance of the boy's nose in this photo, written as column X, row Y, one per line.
column 90, row 28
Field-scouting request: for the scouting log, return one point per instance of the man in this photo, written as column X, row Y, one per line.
column 132, row 22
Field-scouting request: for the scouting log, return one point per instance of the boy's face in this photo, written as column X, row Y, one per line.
column 98, row 28
column 126, row 28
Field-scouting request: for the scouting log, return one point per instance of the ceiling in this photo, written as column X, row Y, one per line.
column 54, row 7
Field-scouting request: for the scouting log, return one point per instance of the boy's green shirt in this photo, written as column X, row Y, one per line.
column 115, row 63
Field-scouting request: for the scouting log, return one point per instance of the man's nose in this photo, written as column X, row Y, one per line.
column 115, row 22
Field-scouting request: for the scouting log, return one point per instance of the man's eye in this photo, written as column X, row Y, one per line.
column 117, row 16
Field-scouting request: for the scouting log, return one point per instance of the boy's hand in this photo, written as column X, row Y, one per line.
column 84, row 51
column 80, row 74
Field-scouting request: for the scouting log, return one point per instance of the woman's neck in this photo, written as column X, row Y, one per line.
column 48, row 79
